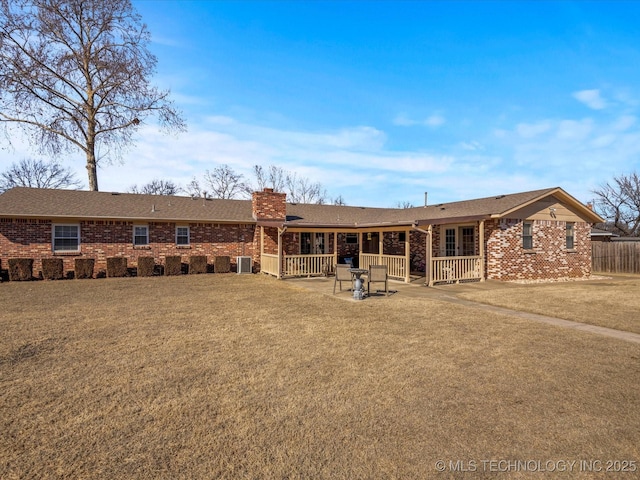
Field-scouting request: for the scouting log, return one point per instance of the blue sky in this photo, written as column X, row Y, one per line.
column 382, row 101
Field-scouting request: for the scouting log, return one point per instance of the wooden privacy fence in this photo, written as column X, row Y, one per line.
column 615, row 257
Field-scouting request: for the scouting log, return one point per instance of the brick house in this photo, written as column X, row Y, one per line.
column 542, row 234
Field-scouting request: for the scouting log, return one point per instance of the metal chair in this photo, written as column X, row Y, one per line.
column 342, row 275
column 378, row 274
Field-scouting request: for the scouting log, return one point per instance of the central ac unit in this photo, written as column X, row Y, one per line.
column 244, row 265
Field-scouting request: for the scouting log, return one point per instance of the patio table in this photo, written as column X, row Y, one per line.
column 358, row 289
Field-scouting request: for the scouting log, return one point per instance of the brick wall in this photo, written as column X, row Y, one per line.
column 102, row 239
column 549, row 259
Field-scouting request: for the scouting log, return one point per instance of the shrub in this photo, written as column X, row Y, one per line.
column 173, row 265
column 197, row 264
column 146, row 266
column 84, row 267
column 222, row 264
column 52, row 268
column 116, row 267
column 20, row 269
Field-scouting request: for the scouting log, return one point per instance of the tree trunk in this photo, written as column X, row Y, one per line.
column 92, row 167
column 92, row 170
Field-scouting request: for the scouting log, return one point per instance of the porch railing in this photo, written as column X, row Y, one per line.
column 454, row 269
column 269, row 264
column 306, row 265
column 396, row 264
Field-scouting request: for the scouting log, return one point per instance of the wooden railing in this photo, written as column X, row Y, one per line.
column 269, row 264
column 396, row 264
column 307, row 265
column 454, row 269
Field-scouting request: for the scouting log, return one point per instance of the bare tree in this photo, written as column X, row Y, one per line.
column 404, row 204
column 157, row 187
column 303, row 190
column 619, row 203
column 273, row 177
column 339, row 200
column 223, row 182
column 76, row 74
column 38, row 174
column 193, row 188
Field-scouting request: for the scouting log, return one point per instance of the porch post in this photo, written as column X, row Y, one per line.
column 481, row 241
column 380, row 247
column 428, row 262
column 280, row 232
column 359, row 248
column 335, row 249
column 407, row 256
column 261, row 246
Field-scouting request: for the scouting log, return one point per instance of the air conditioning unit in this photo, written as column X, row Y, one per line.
column 244, row 265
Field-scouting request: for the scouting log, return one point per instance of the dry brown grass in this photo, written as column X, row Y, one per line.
column 228, row 376
column 611, row 302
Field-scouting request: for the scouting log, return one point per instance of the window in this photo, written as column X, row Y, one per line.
column 468, row 241
column 305, row 243
column 402, row 236
column 352, row 238
column 182, row 236
column 527, row 235
column 66, row 238
column 571, row 236
column 312, row 243
column 450, row 242
column 140, row 235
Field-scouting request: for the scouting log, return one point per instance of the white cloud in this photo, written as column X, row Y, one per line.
column 624, row 122
column 471, row 146
column 591, row 98
column 434, row 120
column 530, row 130
column 574, row 130
column 402, row 120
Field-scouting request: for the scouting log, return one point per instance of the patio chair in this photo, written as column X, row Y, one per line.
column 342, row 275
column 378, row 274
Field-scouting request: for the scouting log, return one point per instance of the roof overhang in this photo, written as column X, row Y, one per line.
column 80, row 218
column 449, row 220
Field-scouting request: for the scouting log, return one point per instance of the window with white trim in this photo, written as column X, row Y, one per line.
column 182, row 236
column 527, row 235
column 140, row 235
column 571, row 236
column 66, row 238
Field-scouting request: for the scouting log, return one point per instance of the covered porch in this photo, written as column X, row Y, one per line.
column 449, row 253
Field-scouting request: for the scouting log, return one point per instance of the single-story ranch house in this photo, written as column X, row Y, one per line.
column 542, row 234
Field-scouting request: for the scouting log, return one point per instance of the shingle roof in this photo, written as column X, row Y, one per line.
column 41, row 202
column 496, row 206
column 49, row 203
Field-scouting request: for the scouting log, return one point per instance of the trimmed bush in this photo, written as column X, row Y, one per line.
column 222, row 264
column 52, row 268
column 116, row 267
column 146, row 266
column 173, row 265
column 197, row 264
column 20, row 269
column 84, row 267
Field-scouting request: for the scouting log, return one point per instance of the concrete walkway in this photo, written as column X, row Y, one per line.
column 449, row 293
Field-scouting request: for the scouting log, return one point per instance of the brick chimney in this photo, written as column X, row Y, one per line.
column 269, row 205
